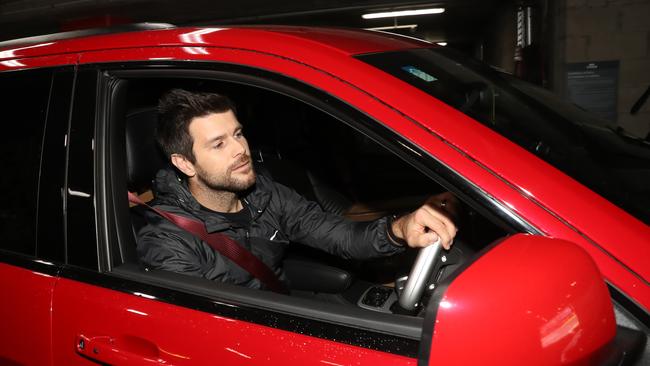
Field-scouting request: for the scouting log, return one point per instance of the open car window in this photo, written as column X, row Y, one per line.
column 328, row 154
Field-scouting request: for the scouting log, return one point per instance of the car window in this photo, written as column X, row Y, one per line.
column 323, row 158
column 301, row 147
column 24, row 104
column 605, row 159
column 51, row 234
column 329, row 152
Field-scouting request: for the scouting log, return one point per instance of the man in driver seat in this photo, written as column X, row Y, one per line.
column 200, row 134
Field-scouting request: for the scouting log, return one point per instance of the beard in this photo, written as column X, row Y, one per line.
column 226, row 181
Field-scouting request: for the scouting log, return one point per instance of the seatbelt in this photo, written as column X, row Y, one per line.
column 224, row 245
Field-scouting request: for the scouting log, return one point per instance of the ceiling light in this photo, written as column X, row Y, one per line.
column 403, row 13
column 441, row 43
column 390, row 27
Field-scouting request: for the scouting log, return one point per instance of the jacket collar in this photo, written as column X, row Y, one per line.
column 170, row 189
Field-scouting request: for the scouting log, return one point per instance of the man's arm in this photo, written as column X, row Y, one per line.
column 169, row 251
column 305, row 222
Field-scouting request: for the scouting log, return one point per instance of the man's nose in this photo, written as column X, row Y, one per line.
column 239, row 147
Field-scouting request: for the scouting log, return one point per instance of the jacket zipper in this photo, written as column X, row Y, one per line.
column 254, row 213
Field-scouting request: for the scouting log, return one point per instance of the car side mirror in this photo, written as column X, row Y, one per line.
column 528, row 300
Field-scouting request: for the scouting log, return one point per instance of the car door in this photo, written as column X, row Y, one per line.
column 110, row 312
column 35, row 106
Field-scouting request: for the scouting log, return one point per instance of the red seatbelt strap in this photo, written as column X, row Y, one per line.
column 224, row 245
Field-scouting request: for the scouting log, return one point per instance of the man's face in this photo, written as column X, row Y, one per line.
column 222, row 155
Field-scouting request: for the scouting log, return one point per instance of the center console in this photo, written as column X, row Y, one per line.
column 378, row 298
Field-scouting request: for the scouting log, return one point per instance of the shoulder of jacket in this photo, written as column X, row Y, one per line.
column 262, row 181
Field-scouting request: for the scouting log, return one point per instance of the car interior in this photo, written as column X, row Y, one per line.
column 327, row 161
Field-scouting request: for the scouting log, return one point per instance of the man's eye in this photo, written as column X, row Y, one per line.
column 239, row 134
column 218, row 145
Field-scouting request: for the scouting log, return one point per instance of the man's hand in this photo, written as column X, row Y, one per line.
column 425, row 225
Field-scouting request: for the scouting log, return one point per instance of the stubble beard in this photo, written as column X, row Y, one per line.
column 226, row 181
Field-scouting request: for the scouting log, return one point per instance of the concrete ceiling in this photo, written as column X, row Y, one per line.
column 462, row 21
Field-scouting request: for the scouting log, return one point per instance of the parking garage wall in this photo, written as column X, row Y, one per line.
column 614, row 30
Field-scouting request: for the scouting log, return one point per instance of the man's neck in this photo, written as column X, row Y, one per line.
column 219, row 201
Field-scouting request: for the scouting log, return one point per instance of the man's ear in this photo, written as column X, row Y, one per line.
column 184, row 165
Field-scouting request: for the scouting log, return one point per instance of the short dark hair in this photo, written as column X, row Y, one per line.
column 176, row 109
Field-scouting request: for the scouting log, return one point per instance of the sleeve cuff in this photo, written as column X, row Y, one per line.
column 394, row 240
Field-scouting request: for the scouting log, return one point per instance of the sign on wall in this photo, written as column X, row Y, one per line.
column 594, row 87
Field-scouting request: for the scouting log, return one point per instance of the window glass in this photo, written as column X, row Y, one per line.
column 23, row 104
column 606, row 159
column 50, row 236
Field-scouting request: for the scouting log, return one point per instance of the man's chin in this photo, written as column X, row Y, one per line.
column 245, row 183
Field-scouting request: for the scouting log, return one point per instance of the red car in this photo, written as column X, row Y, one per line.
column 550, row 266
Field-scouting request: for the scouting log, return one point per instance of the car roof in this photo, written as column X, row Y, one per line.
column 346, row 41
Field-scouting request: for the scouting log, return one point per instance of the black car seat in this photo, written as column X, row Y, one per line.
column 143, row 160
column 291, row 174
column 143, row 157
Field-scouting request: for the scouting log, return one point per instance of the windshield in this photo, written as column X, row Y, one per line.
column 605, row 159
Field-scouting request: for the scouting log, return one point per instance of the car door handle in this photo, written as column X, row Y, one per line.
column 123, row 350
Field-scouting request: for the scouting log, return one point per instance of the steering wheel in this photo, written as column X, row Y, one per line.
column 419, row 275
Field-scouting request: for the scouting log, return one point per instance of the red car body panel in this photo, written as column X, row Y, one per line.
column 277, row 40
column 137, row 330
column 26, row 312
column 37, row 62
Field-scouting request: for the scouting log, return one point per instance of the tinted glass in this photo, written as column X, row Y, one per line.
column 605, row 159
column 23, row 104
column 50, row 236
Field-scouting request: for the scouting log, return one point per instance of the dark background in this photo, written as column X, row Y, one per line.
column 562, row 33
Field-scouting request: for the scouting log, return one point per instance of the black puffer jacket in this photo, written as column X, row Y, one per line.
column 279, row 216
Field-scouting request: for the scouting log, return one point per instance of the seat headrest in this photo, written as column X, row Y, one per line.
column 143, row 156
